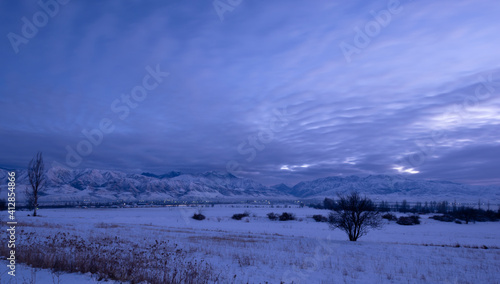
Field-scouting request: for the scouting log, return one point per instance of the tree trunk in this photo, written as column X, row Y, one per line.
column 36, row 205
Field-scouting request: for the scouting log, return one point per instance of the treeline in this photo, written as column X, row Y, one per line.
column 102, row 204
column 67, row 204
column 449, row 211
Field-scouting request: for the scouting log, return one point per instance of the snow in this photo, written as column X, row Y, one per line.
column 102, row 185
column 27, row 274
column 257, row 250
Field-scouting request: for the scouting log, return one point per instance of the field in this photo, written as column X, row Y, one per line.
column 152, row 242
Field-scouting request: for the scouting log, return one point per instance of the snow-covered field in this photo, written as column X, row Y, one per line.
column 258, row 250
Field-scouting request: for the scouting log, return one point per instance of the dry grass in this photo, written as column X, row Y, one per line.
column 456, row 245
column 103, row 225
column 112, row 258
column 40, row 225
column 226, row 239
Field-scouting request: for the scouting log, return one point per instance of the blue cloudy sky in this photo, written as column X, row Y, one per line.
column 278, row 91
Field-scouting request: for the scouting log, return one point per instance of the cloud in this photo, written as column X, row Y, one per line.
column 227, row 79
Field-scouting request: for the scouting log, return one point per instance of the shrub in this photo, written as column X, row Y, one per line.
column 272, row 216
column 443, row 218
column 286, row 216
column 320, row 218
column 390, row 217
column 467, row 214
column 240, row 216
column 329, row 204
column 198, row 216
column 409, row 220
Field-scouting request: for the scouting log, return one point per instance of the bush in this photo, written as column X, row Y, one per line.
column 198, row 216
column 240, row 216
column 390, row 217
column 320, row 218
column 443, row 218
column 272, row 216
column 409, row 220
column 287, row 216
column 467, row 214
column 329, row 204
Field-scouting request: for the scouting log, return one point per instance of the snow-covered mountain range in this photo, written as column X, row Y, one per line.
column 393, row 188
column 102, row 185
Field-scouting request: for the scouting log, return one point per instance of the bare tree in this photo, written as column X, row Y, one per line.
column 354, row 215
column 36, row 178
column 30, row 198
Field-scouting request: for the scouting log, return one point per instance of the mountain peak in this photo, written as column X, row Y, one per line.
column 282, row 187
column 218, row 174
column 146, row 174
column 170, row 174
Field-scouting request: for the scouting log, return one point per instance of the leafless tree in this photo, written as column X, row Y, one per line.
column 30, row 198
column 354, row 215
column 36, row 178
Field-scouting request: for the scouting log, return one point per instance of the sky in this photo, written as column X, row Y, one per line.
column 277, row 91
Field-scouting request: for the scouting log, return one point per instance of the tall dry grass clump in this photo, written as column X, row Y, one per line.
column 152, row 261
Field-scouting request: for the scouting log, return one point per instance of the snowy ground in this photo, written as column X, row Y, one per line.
column 257, row 250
